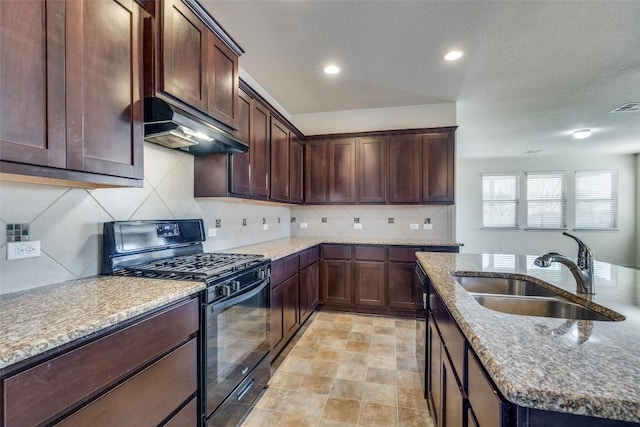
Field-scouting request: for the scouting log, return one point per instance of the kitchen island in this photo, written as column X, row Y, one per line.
column 551, row 365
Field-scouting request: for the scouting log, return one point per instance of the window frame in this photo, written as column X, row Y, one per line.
column 614, row 200
column 516, row 201
column 562, row 200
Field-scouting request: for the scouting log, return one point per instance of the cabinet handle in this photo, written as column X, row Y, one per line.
column 245, row 389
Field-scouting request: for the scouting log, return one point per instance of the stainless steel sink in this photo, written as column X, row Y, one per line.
column 538, row 306
column 498, row 285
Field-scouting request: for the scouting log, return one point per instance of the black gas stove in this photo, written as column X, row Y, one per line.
column 235, row 309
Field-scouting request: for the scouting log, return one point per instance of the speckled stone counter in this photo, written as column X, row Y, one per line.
column 582, row 367
column 37, row 320
column 281, row 248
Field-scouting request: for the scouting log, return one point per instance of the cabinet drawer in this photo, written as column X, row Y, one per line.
column 67, row 379
column 309, row 256
column 369, row 253
column 487, row 406
column 451, row 335
column 282, row 269
column 148, row 397
column 188, row 416
column 336, row 251
column 400, row 254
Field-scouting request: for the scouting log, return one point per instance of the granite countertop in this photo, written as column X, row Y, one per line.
column 583, row 367
column 37, row 320
column 280, row 248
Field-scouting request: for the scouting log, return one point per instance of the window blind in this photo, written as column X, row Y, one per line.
column 500, row 200
column 546, row 199
column 597, row 199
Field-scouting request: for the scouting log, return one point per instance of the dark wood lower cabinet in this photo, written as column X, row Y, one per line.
column 309, row 290
column 278, row 334
column 404, row 290
column 336, row 282
column 369, row 283
column 291, row 305
column 139, row 374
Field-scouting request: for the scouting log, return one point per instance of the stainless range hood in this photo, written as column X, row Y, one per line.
column 173, row 127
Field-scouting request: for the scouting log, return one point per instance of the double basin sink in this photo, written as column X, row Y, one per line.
column 516, row 296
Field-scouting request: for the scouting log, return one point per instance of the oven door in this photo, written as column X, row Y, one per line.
column 236, row 339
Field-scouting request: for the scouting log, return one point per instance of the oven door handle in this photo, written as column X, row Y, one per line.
column 219, row 306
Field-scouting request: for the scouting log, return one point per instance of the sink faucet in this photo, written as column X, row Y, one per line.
column 582, row 270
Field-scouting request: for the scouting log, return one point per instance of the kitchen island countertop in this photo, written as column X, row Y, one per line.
column 35, row 321
column 280, row 248
column 582, row 367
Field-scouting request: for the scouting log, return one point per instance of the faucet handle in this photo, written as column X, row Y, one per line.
column 585, row 256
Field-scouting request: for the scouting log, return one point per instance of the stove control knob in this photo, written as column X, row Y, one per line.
column 235, row 286
column 226, row 290
column 263, row 273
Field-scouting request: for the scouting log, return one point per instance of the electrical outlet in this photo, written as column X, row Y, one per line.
column 357, row 226
column 414, row 226
column 212, row 232
column 19, row 250
column 304, row 225
column 265, row 227
column 427, row 226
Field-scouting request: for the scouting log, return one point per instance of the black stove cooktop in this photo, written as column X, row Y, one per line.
column 168, row 249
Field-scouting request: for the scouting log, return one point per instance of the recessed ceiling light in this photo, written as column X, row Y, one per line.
column 582, row 134
column 453, row 55
column 332, row 69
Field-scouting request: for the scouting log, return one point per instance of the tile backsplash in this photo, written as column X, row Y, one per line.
column 378, row 221
column 68, row 221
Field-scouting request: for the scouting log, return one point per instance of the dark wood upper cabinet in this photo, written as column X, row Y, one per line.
column 184, row 54
column 74, row 69
column 438, row 163
column 342, row 171
column 32, row 77
column 404, row 168
column 315, row 172
column 279, row 161
column 241, row 162
column 296, row 178
column 196, row 66
column 372, row 169
column 223, row 84
column 104, row 108
column 260, row 151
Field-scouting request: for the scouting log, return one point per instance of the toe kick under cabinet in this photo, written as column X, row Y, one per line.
column 140, row 373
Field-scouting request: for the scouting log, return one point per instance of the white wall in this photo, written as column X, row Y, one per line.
column 616, row 246
column 637, row 237
column 68, row 221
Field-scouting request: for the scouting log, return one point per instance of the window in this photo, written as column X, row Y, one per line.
column 500, row 200
column 597, row 200
column 546, row 200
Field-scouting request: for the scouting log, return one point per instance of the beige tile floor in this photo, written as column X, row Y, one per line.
column 346, row 370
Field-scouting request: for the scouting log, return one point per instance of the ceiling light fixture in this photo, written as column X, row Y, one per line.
column 582, row 134
column 332, row 69
column 453, row 55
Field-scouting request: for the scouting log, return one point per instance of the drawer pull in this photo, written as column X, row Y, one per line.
column 245, row 389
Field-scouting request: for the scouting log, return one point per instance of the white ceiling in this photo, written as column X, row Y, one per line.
column 533, row 71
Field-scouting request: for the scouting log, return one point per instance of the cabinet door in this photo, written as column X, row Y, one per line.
column 291, row 304
column 342, row 171
column 184, row 54
column 316, row 172
column 104, row 91
column 369, row 283
column 453, row 397
column 404, row 288
column 372, row 169
column 295, row 170
column 336, row 282
column 240, row 162
column 278, row 334
column 279, row 161
column 32, row 107
column 309, row 290
column 438, row 158
column 222, row 101
column 404, row 169
column 434, row 365
column 260, row 152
